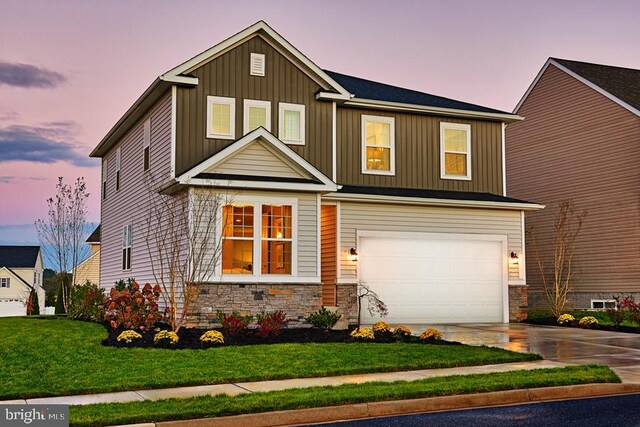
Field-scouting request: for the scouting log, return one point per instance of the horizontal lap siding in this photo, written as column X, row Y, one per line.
column 129, row 205
column 228, row 76
column 417, row 152
column 256, row 160
column 575, row 144
column 424, row 219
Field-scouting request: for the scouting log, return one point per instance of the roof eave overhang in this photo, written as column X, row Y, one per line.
column 374, row 198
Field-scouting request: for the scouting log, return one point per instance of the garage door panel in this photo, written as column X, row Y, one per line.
column 12, row 308
column 435, row 279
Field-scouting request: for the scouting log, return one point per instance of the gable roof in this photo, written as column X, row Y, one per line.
column 369, row 89
column 621, row 85
column 95, row 236
column 19, row 256
column 15, row 275
column 317, row 180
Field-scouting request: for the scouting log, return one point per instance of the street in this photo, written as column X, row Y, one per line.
column 618, row 411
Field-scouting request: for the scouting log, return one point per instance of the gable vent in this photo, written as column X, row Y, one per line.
column 257, row 64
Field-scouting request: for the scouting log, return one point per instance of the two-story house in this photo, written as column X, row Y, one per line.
column 335, row 180
column 20, row 272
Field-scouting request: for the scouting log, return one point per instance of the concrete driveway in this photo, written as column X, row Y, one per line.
column 620, row 351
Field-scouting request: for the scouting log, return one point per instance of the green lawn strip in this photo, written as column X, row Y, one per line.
column 64, row 357
column 602, row 316
column 222, row 405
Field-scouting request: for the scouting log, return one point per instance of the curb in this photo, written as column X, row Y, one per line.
column 401, row 407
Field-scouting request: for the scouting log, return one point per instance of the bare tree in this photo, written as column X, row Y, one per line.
column 62, row 233
column 183, row 244
column 374, row 303
column 557, row 279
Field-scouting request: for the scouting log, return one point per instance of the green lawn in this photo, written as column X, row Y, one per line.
column 545, row 316
column 221, row 405
column 52, row 356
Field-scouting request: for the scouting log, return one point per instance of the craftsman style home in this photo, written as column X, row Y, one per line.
column 20, row 272
column 335, row 180
column 580, row 142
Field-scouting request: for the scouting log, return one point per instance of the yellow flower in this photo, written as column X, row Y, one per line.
column 212, row 337
column 402, row 331
column 381, row 327
column 166, row 337
column 588, row 321
column 431, row 335
column 362, row 334
column 128, row 336
column 565, row 319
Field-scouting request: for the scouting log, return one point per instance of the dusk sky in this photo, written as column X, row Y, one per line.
column 70, row 69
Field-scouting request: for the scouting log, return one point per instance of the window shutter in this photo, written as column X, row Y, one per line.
column 257, row 64
column 8, row 282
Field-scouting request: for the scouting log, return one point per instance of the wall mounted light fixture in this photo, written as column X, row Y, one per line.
column 353, row 254
column 514, row 258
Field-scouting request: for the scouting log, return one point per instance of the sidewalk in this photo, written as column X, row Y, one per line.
column 261, row 386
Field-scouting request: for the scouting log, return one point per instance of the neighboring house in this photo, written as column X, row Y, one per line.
column 580, row 141
column 336, row 179
column 20, row 272
column 89, row 269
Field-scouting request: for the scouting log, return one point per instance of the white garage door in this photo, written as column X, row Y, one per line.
column 435, row 278
column 12, row 308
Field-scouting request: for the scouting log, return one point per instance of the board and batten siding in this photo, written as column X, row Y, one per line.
column 424, row 219
column 228, row 76
column 417, row 152
column 576, row 144
column 130, row 204
column 256, row 160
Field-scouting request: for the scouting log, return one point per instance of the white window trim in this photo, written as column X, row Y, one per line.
column 126, row 229
column 257, row 275
column 282, row 107
column 255, row 103
column 5, row 282
column 455, row 126
column 392, row 155
column 259, row 56
column 604, row 303
column 231, row 102
column 118, row 164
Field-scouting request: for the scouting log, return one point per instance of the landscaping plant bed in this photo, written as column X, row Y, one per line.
column 189, row 338
column 552, row 321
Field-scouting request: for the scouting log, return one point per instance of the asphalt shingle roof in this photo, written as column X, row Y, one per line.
column 18, row 256
column 623, row 83
column 368, row 89
column 95, row 236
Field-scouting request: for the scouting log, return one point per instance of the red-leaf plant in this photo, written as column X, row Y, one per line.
column 132, row 307
column 270, row 323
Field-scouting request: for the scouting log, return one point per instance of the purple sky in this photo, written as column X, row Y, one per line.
column 68, row 70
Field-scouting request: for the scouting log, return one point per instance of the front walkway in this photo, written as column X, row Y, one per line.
column 620, row 351
column 249, row 387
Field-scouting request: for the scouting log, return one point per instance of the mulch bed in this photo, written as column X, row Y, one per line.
column 551, row 321
column 190, row 338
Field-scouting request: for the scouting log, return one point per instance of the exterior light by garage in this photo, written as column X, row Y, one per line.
column 353, row 254
column 514, row 258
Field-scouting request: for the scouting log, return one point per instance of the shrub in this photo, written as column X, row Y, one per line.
column 234, row 323
column 132, row 307
column 625, row 307
column 33, row 305
column 431, row 335
column 165, row 338
column 381, row 327
column 566, row 319
column 84, row 302
column 270, row 323
column 128, row 336
column 362, row 334
column 212, row 337
column 323, row 319
column 587, row 322
column 402, row 331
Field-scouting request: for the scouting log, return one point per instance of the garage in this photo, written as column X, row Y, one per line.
column 435, row 277
column 12, row 308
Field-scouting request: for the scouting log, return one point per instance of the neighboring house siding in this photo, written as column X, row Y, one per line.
column 256, row 160
column 88, row 270
column 417, row 152
column 424, row 219
column 228, row 76
column 576, row 144
column 129, row 205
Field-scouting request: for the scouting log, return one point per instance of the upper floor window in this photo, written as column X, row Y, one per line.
column 256, row 114
column 378, row 145
column 118, row 160
column 291, row 123
column 146, row 145
column 221, row 117
column 455, row 151
column 4, row 282
column 104, row 178
column 127, row 241
column 257, row 64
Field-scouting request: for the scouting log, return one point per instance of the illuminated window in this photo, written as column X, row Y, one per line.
column 455, row 151
column 378, row 145
column 256, row 114
column 276, row 239
column 221, row 117
column 291, row 123
column 237, row 239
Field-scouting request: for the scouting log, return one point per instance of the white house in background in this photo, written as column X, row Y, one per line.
column 89, row 269
column 20, row 271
